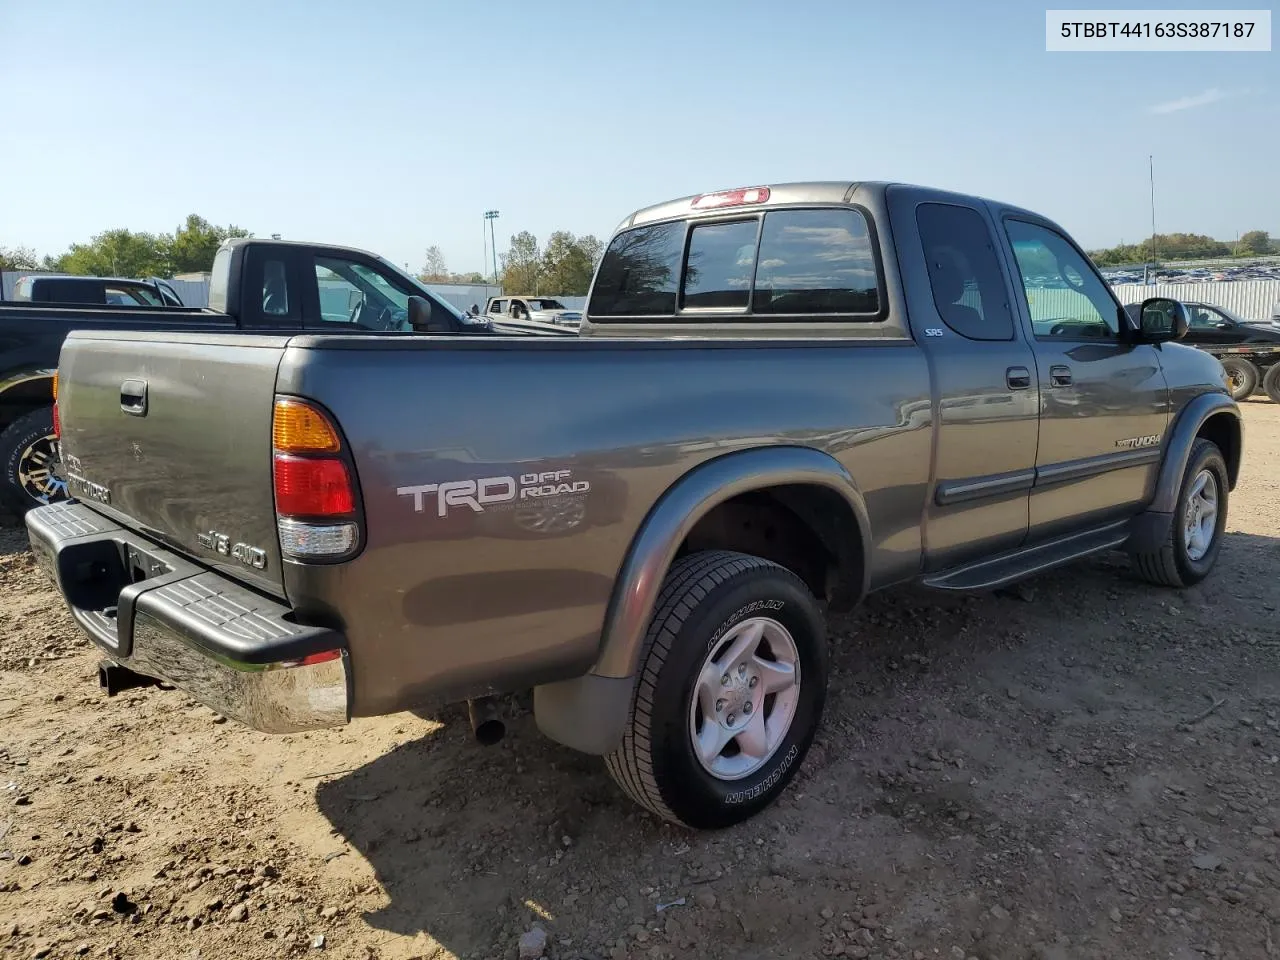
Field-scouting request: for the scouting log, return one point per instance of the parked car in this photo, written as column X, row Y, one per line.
column 257, row 286
column 535, row 309
column 105, row 291
column 802, row 392
column 1248, row 349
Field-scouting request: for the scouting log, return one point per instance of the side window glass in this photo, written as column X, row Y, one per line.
column 816, row 262
column 1064, row 294
column 639, row 273
column 968, row 287
column 275, row 289
column 718, row 271
column 359, row 295
column 1204, row 318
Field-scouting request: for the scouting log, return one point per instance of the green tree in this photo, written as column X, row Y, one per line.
column 434, row 269
column 522, row 265
column 193, row 245
column 568, row 263
column 118, row 253
column 17, row 258
column 1255, row 243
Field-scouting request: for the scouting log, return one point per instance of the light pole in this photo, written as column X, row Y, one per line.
column 492, row 215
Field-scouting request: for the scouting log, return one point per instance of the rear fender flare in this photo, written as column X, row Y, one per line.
column 687, row 501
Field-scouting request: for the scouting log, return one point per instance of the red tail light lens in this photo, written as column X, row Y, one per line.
column 312, row 487
column 57, row 423
column 730, row 198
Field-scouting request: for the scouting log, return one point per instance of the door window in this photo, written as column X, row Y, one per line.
column 1066, row 297
column 968, row 286
column 356, row 294
column 1204, row 318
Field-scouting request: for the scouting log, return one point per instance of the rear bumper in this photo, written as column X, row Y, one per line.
column 162, row 616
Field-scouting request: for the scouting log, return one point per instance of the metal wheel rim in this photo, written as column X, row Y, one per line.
column 1235, row 378
column 744, row 698
column 35, row 471
column 1201, row 520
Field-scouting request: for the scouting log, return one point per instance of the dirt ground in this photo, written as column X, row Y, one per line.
column 1083, row 767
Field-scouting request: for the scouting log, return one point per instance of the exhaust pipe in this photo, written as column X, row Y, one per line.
column 486, row 724
column 114, row 678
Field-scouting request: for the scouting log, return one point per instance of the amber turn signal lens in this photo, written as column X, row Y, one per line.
column 297, row 427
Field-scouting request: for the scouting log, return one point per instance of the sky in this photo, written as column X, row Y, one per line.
column 393, row 125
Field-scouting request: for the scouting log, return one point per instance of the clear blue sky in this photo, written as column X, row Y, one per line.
column 393, row 124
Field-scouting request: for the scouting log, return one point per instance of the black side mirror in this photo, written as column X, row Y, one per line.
column 1163, row 319
column 420, row 314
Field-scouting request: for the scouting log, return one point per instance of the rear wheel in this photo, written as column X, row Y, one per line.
column 1271, row 382
column 1242, row 377
column 732, row 684
column 28, row 456
column 1195, row 536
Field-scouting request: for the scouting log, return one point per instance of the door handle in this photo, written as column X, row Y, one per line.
column 1060, row 375
column 133, row 397
column 1018, row 378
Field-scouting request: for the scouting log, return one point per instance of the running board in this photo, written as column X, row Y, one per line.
column 1025, row 561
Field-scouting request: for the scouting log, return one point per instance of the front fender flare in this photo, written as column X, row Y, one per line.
column 1150, row 530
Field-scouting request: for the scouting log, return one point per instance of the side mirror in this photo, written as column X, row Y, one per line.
column 420, row 314
column 1163, row 319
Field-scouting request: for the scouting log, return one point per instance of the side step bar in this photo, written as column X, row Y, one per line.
column 1025, row 561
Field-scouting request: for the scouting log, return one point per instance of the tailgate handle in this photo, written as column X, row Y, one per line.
column 133, row 397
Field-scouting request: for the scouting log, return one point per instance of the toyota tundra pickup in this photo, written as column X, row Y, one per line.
column 780, row 399
column 256, row 286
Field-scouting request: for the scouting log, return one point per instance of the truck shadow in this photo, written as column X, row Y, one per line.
column 13, row 535
column 472, row 845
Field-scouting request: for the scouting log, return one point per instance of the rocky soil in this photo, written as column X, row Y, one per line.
column 1082, row 767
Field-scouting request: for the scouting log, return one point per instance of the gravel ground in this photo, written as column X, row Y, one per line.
column 1082, row 767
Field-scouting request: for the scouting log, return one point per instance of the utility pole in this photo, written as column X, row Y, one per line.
column 1151, row 173
column 492, row 215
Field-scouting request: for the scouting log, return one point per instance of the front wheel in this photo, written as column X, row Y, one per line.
column 1195, row 536
column 28, row 458
column 732, row 684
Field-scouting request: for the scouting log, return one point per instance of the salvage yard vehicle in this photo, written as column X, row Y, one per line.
column 535, row 309
column 1249, row 350
column 257, row 286
column 803, row 393
column 116, row 291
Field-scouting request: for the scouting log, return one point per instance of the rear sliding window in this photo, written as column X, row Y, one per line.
column 790, row 263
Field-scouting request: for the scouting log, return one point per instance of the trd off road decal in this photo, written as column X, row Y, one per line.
column 489, row 492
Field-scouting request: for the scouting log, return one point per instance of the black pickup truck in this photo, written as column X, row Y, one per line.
column 257, row 286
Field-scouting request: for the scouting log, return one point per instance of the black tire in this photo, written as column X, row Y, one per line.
column 703, row 597
column 1171, row 565
column 1242, row 377
column 1271, row 382
column 27, row 445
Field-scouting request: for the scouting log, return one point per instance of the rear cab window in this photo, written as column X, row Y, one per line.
column 780, row 265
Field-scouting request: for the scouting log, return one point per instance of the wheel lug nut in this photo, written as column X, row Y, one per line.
column 731, row 719
column 746, row 707
column 742, row 669
column 719, row 706
column 724, row 681
column 752, row 682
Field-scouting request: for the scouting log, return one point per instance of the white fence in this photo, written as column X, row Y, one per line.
column 1251, row 299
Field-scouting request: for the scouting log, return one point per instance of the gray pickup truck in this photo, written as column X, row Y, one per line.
column 780, row 399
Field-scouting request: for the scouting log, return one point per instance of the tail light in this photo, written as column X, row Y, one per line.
column 57, row 423
column 315, row 496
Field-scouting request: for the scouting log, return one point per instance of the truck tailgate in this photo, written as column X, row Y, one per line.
column 169, row 434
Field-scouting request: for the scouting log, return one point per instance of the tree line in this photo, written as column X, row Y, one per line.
column 1185, row 246
column 564, row 267
column 126, row 253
